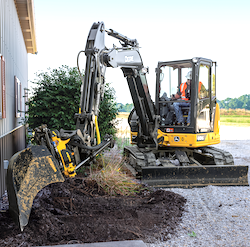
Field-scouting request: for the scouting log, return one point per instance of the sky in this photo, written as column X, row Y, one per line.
column 166, row 30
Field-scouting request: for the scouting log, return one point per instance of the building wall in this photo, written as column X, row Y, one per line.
column 14, row 53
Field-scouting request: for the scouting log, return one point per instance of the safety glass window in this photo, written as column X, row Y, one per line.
column 203, row 114
column 204, row 79
column 171, row 77
column 175, row 94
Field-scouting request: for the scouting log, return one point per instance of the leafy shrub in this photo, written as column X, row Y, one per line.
column 56, row 98
column 108, row 112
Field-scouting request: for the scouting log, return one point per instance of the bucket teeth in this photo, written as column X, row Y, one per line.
column 29, row 171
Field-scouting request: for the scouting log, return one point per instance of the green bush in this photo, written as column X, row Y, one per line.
column 56, row 98
column 108, row 112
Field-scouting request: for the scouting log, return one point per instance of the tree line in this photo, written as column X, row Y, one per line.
column 124, row 108
column 243, row 102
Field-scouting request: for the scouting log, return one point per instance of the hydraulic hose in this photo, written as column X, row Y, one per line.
column 97, row 131
column 79, row 67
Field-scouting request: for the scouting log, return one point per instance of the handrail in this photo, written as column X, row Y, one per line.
column 11, row 131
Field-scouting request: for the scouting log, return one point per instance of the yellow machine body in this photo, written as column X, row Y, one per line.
column 66, row 157
column 175, row 139
column 188, row 140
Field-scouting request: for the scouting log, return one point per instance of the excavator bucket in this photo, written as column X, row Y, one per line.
column 195, row 176
column 29, row 171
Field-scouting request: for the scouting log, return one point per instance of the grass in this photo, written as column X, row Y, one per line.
column 123, row 131
column 193, row 234
column 109, row 172
column 113, row 179
column 238, row 117
column 235, row 112
column 123, row 115
column 235, row 119
column 122, row 142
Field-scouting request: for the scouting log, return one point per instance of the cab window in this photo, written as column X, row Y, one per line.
column 171, row 77
column 203, row 114
column 204, row 79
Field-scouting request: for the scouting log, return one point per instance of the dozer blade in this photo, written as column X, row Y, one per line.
column 195, row 176
column 28, row 172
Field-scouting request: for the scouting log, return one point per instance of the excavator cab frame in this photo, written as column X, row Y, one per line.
column 174, row 76
column 204, row 112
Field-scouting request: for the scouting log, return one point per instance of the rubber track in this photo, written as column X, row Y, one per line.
column 221, row 157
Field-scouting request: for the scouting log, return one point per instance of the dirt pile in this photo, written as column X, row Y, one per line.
column 80, row 212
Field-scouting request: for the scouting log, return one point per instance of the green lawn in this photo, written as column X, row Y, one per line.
column 235, row 119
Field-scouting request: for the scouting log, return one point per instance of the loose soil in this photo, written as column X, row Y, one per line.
column 78, row 211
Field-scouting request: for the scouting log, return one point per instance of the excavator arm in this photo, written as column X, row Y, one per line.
column 128, row 58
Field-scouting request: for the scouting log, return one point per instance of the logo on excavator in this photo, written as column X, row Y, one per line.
column 176, row 138
column 129, row 59
column 169, row 130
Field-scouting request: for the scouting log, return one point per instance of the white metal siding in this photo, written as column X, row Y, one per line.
column 12, row 48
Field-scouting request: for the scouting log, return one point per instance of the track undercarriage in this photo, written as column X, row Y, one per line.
column 185, row 167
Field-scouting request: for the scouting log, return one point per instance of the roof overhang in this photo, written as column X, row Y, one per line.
column 26, row 15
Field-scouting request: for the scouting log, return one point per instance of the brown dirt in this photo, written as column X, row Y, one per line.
column 79, row 212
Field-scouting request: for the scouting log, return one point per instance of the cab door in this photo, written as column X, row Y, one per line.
column 206, row 98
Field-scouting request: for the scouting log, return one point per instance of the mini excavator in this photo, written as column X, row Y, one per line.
column 165, row 153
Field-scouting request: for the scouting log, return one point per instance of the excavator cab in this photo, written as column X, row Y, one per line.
column 200, row 102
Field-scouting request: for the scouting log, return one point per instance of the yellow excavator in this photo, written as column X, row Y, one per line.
column 170, row 136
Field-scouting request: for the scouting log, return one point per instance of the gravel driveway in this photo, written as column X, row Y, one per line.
column 217, row 215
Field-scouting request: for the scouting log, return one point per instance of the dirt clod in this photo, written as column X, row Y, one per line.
column 80, row 212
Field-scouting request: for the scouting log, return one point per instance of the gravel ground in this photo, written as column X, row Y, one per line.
column 217, row 215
